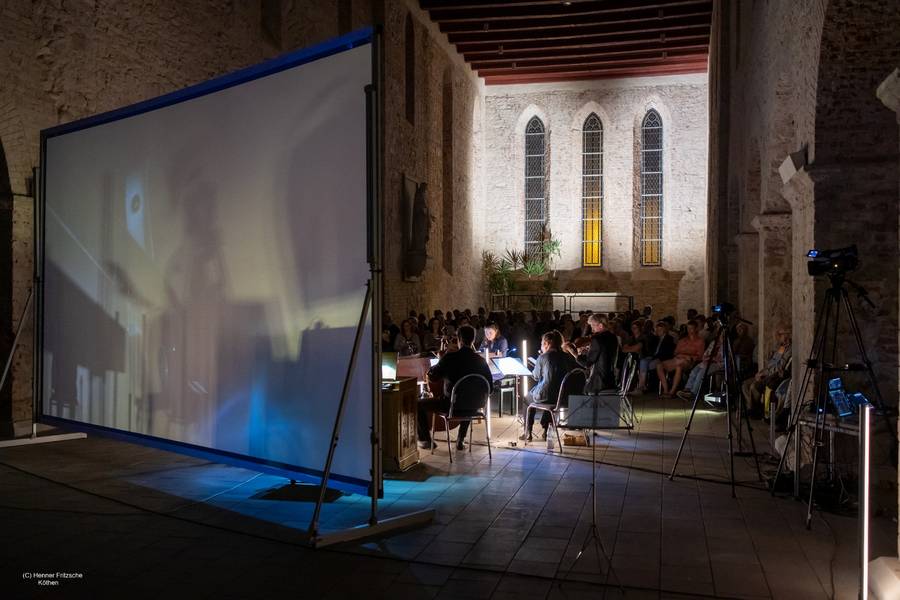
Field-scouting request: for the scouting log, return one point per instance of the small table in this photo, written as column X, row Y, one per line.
column 398, row 424
column 832, row 425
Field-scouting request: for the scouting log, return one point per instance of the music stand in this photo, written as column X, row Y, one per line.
column 511, row 367
column 586, row 416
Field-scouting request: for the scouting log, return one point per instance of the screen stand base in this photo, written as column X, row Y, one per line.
column 41, row 439
column 391, row 525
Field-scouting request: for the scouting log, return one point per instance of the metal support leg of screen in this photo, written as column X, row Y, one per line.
column 373, row 527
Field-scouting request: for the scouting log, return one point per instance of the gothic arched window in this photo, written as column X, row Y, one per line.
column 651, row 203
column 535, row 185
column 592, row 192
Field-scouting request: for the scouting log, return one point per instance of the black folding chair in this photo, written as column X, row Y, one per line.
column 468, row 403
column 572, row 383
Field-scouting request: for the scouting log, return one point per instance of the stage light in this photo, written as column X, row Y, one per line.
column 524, row 362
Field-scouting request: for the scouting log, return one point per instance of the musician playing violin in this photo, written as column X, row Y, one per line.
column 600, row 357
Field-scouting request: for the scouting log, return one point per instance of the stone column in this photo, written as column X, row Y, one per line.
column 889, row 94
column 747, row 299
column 774, row 265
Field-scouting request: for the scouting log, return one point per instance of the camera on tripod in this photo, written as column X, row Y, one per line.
column 722, row 312
column 832, row 262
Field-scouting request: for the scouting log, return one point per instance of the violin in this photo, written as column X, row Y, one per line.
column 581, row 343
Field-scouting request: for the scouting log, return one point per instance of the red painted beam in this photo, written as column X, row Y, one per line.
column 593, row 65
column 607, row 73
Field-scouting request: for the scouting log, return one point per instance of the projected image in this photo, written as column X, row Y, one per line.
column 205, row 265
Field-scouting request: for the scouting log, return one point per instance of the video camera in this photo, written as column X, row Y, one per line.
column 722, row 311
column 832, row 262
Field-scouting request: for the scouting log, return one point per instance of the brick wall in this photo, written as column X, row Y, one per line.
column 416, row 150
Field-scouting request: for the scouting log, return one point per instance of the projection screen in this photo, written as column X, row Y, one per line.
column 205, row 264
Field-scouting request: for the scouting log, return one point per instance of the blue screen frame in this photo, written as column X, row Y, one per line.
column 286, row 61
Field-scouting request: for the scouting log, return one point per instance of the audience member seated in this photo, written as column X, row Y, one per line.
column 549, row 370
column 387, row 322
column 431, row 340
column 642, row 343
column 771, row 375
column 743, row 347
column 452, row 367
column 660, row 348
column 688, row 352
column 494, row 343
column 407, row 342
column 712, row 363
column 600, row 357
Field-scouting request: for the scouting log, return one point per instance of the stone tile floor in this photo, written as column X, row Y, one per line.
column 142, row 523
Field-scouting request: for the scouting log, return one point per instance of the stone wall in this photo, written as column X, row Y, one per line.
column 789, row 76
column 419, row 150
column 621, row 105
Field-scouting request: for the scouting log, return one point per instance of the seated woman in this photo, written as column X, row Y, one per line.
column 431, row 341
column 494, row 343
column 549, row 370
column 688, row 352
column 407, row 342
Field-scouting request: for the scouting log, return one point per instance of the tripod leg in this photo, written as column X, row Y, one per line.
column 730, row 439
column 687, row 427
column 821, row 401
column 814, row 362
column 742, row 409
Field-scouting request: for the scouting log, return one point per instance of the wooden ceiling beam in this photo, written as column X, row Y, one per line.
column 581, row 30
column 696, row 41
column 569, row 59
column 558, row 10
column 487, row 28
column 476, row 4
column 611, row 40
column 592, row 65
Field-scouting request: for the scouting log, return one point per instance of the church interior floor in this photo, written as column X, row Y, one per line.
column 139, row 522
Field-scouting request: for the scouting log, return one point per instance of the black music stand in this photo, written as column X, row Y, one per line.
column 590, row 414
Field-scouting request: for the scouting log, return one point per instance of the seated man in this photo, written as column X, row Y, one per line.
column 775, row 371
column 452, row 367
column 493, row 342
column 549, row 370
column 600, row 356
column 660, row 348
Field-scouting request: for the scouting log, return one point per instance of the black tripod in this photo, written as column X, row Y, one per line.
column 821, row 363
column 593, row 533
column 730, row 382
